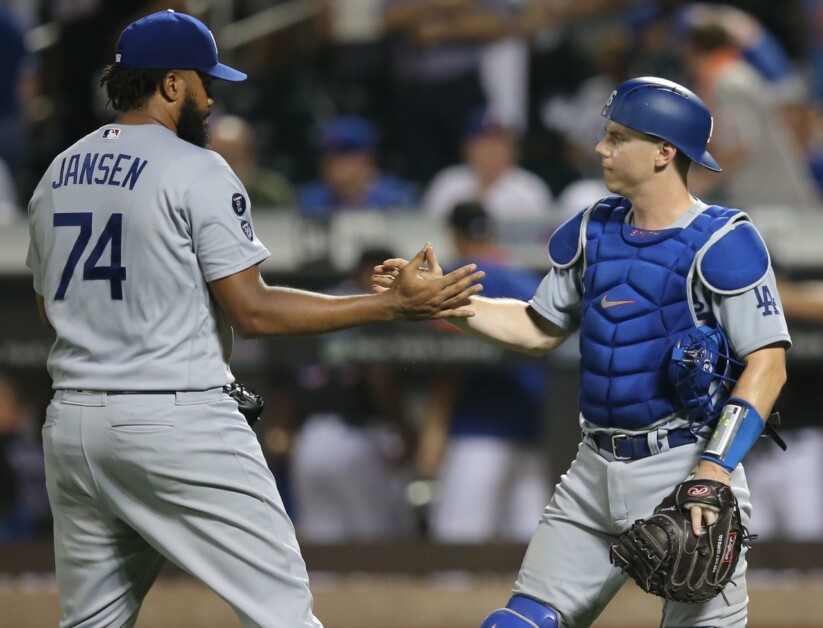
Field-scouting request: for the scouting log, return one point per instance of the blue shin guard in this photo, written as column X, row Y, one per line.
column 523, row 612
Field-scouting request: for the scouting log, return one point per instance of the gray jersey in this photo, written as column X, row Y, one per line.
column 751, row 320
column 127, row 228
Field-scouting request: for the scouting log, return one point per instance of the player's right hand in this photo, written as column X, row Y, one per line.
column 384, row 274
column 422, row 291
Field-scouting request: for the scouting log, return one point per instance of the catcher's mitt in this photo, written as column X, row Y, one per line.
column 664, row 556
column 249, row 403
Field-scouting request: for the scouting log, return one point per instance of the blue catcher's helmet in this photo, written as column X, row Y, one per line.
column 665, row 110
column 703, row 370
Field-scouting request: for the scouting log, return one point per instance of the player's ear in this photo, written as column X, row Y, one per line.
column 172, row 85
column 665, row 153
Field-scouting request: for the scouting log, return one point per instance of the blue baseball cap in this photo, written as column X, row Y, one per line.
column 347, row 134
column 171, row 40
column 480, row 121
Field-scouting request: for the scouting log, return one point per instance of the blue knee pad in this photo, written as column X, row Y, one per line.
column 523, row 612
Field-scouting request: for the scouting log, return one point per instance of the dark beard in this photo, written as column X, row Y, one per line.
column 191, row 126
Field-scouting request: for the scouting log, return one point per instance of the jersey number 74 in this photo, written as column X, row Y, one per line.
column 112, row 233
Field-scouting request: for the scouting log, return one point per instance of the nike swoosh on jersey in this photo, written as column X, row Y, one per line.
column 605, row 303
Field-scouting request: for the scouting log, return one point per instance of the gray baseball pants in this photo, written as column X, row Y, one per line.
column 567, row 562
column 135, row 480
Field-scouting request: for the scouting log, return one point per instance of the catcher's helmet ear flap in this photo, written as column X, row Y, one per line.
column 703, row 370
column 665, row 110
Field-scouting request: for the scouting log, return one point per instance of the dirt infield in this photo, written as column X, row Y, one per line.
column 444, row 601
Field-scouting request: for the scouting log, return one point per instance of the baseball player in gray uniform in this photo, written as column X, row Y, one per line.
column 634, row 274
column 144, row 258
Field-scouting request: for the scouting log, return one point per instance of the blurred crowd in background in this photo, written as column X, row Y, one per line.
column 414, row 105
column 474, row 111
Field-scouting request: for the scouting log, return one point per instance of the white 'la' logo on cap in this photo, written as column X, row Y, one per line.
column 213, row 40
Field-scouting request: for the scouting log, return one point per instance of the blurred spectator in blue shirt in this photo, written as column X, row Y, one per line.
column 813, row 12
column 350, row 175
column 659, row 28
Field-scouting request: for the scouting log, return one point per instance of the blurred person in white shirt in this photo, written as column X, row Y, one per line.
column 489, row 174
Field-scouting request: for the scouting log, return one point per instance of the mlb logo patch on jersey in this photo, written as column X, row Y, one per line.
column 244, row 224
column 110, row 134
column 238, row 203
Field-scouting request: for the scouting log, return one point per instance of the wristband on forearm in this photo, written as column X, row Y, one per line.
column 738, row 428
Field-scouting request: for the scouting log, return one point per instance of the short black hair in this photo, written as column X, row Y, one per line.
column 472, row 219
column 374, row 256
column 130, row 88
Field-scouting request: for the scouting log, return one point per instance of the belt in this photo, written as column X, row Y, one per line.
column 625, row 447
column 139, row 392
column 103, row 397
column 225, row 389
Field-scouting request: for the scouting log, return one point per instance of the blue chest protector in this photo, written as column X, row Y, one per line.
column 637, row 299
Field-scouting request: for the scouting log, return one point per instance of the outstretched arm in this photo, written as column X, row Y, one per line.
column 509, row 323
column 512, row 324
column 256, row 309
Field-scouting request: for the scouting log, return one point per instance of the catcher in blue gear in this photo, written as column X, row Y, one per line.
column 634, row 274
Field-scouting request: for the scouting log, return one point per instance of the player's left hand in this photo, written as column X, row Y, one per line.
column 421, row 291
column 385, row 273
column 707, row 470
